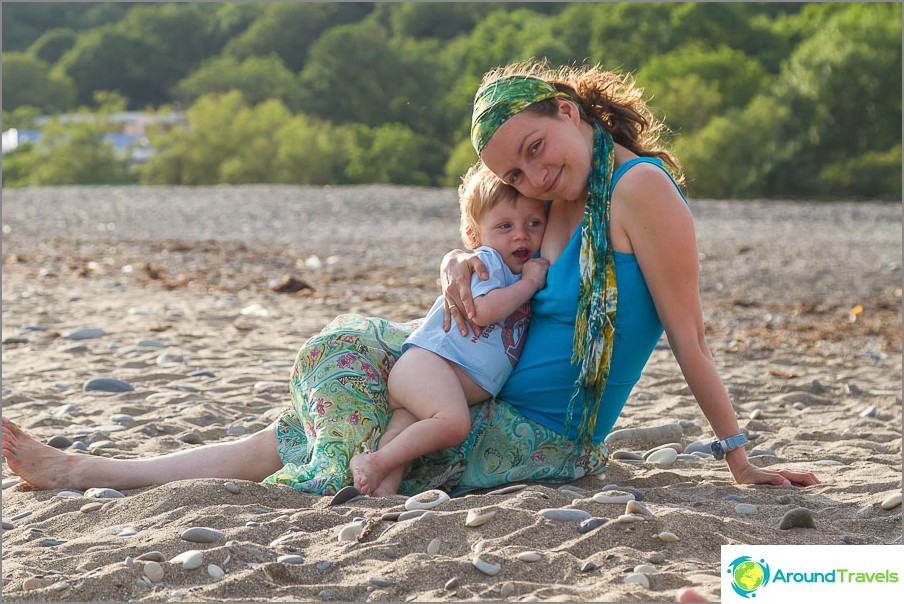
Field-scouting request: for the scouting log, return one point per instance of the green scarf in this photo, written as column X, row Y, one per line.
column 594, row 329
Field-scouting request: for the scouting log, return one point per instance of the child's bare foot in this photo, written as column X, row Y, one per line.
column 366, row 472
column 390, row 484
column 41, row 466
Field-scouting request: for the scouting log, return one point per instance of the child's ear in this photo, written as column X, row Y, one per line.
column 473, row 237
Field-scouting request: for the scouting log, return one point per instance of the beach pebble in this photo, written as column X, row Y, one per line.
column 513, row 488
column 564, row 514
column 189, row 560
column 869, row 411
column 202, row 373
column 51, row 542
column 128, row 531
column 59, row 442
column 325, row 594
column 700, row 446
column 663, row 457
column 433, row 546
column 152, row 556
column 452, row 583
column 475, row 518
column 231, row 487
column 11, row 482
column 102, row 444
column 21, row 515
column 170, row 359
column 797, row 518
column 588, row 566
column 237, row 430
column 153, row 571
column 350, row 532
column 390, row 553
column 379, row 581
column 323, row 565
column 84, row 333
column 591, row 523
column 604, row 497
column 745, row 508
column 201, row 534
column 32, row 583
column 636, row 507
column 344, row 495
column 103, row 493
column 892, row 501
column 629, row 519
column 143, row 343
column 413, row 514
column 390, row 516
column 639, row 579
column 656, row 558
column 216, row 573
column 74, row 348
column 290, row 559
column 426, row 500
column 668, row 537
column 107, row 385
column 486, row 567
column 646, row 569
column 622, row 455
column 530, row 556
column 8, row 525
column 191, row 438
column 63, row 410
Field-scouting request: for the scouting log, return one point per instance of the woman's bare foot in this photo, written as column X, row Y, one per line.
column 41, row 466
column 367, row 472
column 689, row 594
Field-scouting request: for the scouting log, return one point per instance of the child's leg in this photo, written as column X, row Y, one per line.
column 425, row 385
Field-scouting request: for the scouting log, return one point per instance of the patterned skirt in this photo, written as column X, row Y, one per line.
column 340, row 408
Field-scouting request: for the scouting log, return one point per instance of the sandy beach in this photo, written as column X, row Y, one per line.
column 174, row 291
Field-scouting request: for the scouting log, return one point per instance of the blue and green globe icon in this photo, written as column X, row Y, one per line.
column 748, row 575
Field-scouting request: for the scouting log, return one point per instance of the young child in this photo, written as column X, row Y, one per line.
column 440, row 374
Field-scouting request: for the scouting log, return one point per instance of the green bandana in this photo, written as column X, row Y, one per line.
column 499, row 100
column 595, row 321
column 594, row 329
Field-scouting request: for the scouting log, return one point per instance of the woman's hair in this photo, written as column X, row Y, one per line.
column 479, row 192
column 610, row 99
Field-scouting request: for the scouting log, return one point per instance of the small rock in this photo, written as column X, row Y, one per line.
column 231, row 487
column 102, row 493
column 646, row 569
column 486, row 567
column 869, row 411
column 128, row 531
column 191, row 438
column 530, row 556
column 433, row 546
column 564, row 514
column 153, row 556
column 797, row 518
column 389, row 553
column 325, row 594
column 629, row 519
column 588, row 566
column 745, row 508
column 8, row 525
column 591, row 523
column 663, row 457
column 189, row 560
column 169, row 359
column 59, row 442
column 379, row 582
column 639, row 579
column 892, row 501
column 452, row 583
column 323, row 565
column 606, row 497
column 201, row 534
column 153, row 571
column 51, row 542
column 513, row 488
column 32, row 583
column 427, row 500
column 345, row 495
column 107, row 385
column 85, row 333
column 216, row 573
column 476, row 518
column 350, row 532
column 627, row 456
column 668, row 537
column 636, row 507
column 291, row 559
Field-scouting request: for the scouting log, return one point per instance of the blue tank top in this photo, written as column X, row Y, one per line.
column 543, row 381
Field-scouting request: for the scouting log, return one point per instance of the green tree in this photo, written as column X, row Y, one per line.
column 258, row 78
column 290, row 28
column 392, row 153
column 691, row 84
column 313, row 152
column 53, row 43
column 27, row 80
column 24, row 22
column 443, row 20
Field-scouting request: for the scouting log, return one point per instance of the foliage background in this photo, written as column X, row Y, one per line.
column 765, row 100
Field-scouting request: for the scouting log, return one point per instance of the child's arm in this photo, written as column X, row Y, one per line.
column 501, row 302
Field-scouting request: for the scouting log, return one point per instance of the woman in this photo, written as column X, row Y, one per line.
column 614, row 283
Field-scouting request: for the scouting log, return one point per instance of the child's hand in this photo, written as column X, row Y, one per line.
column 535, row 270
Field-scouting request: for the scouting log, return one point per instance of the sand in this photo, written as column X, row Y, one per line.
column 803, row 309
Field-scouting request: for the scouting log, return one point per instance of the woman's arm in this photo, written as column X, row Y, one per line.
column 660, row 229
column 455, row 277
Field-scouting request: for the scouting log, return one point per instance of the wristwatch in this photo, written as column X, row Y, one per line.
column 721, row 447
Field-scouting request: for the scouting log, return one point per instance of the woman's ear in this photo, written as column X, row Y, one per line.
column 569, row 110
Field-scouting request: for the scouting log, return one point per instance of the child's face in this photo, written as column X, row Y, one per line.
column 515, row 231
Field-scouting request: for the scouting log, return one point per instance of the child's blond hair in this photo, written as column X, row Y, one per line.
column 479, row 192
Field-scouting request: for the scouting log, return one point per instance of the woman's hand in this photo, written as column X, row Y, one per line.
column 751, row 474
column 455, row 277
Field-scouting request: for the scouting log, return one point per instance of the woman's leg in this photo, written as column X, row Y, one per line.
column 253, row 457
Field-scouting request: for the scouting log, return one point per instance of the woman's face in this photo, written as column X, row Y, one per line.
column 543, row 157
